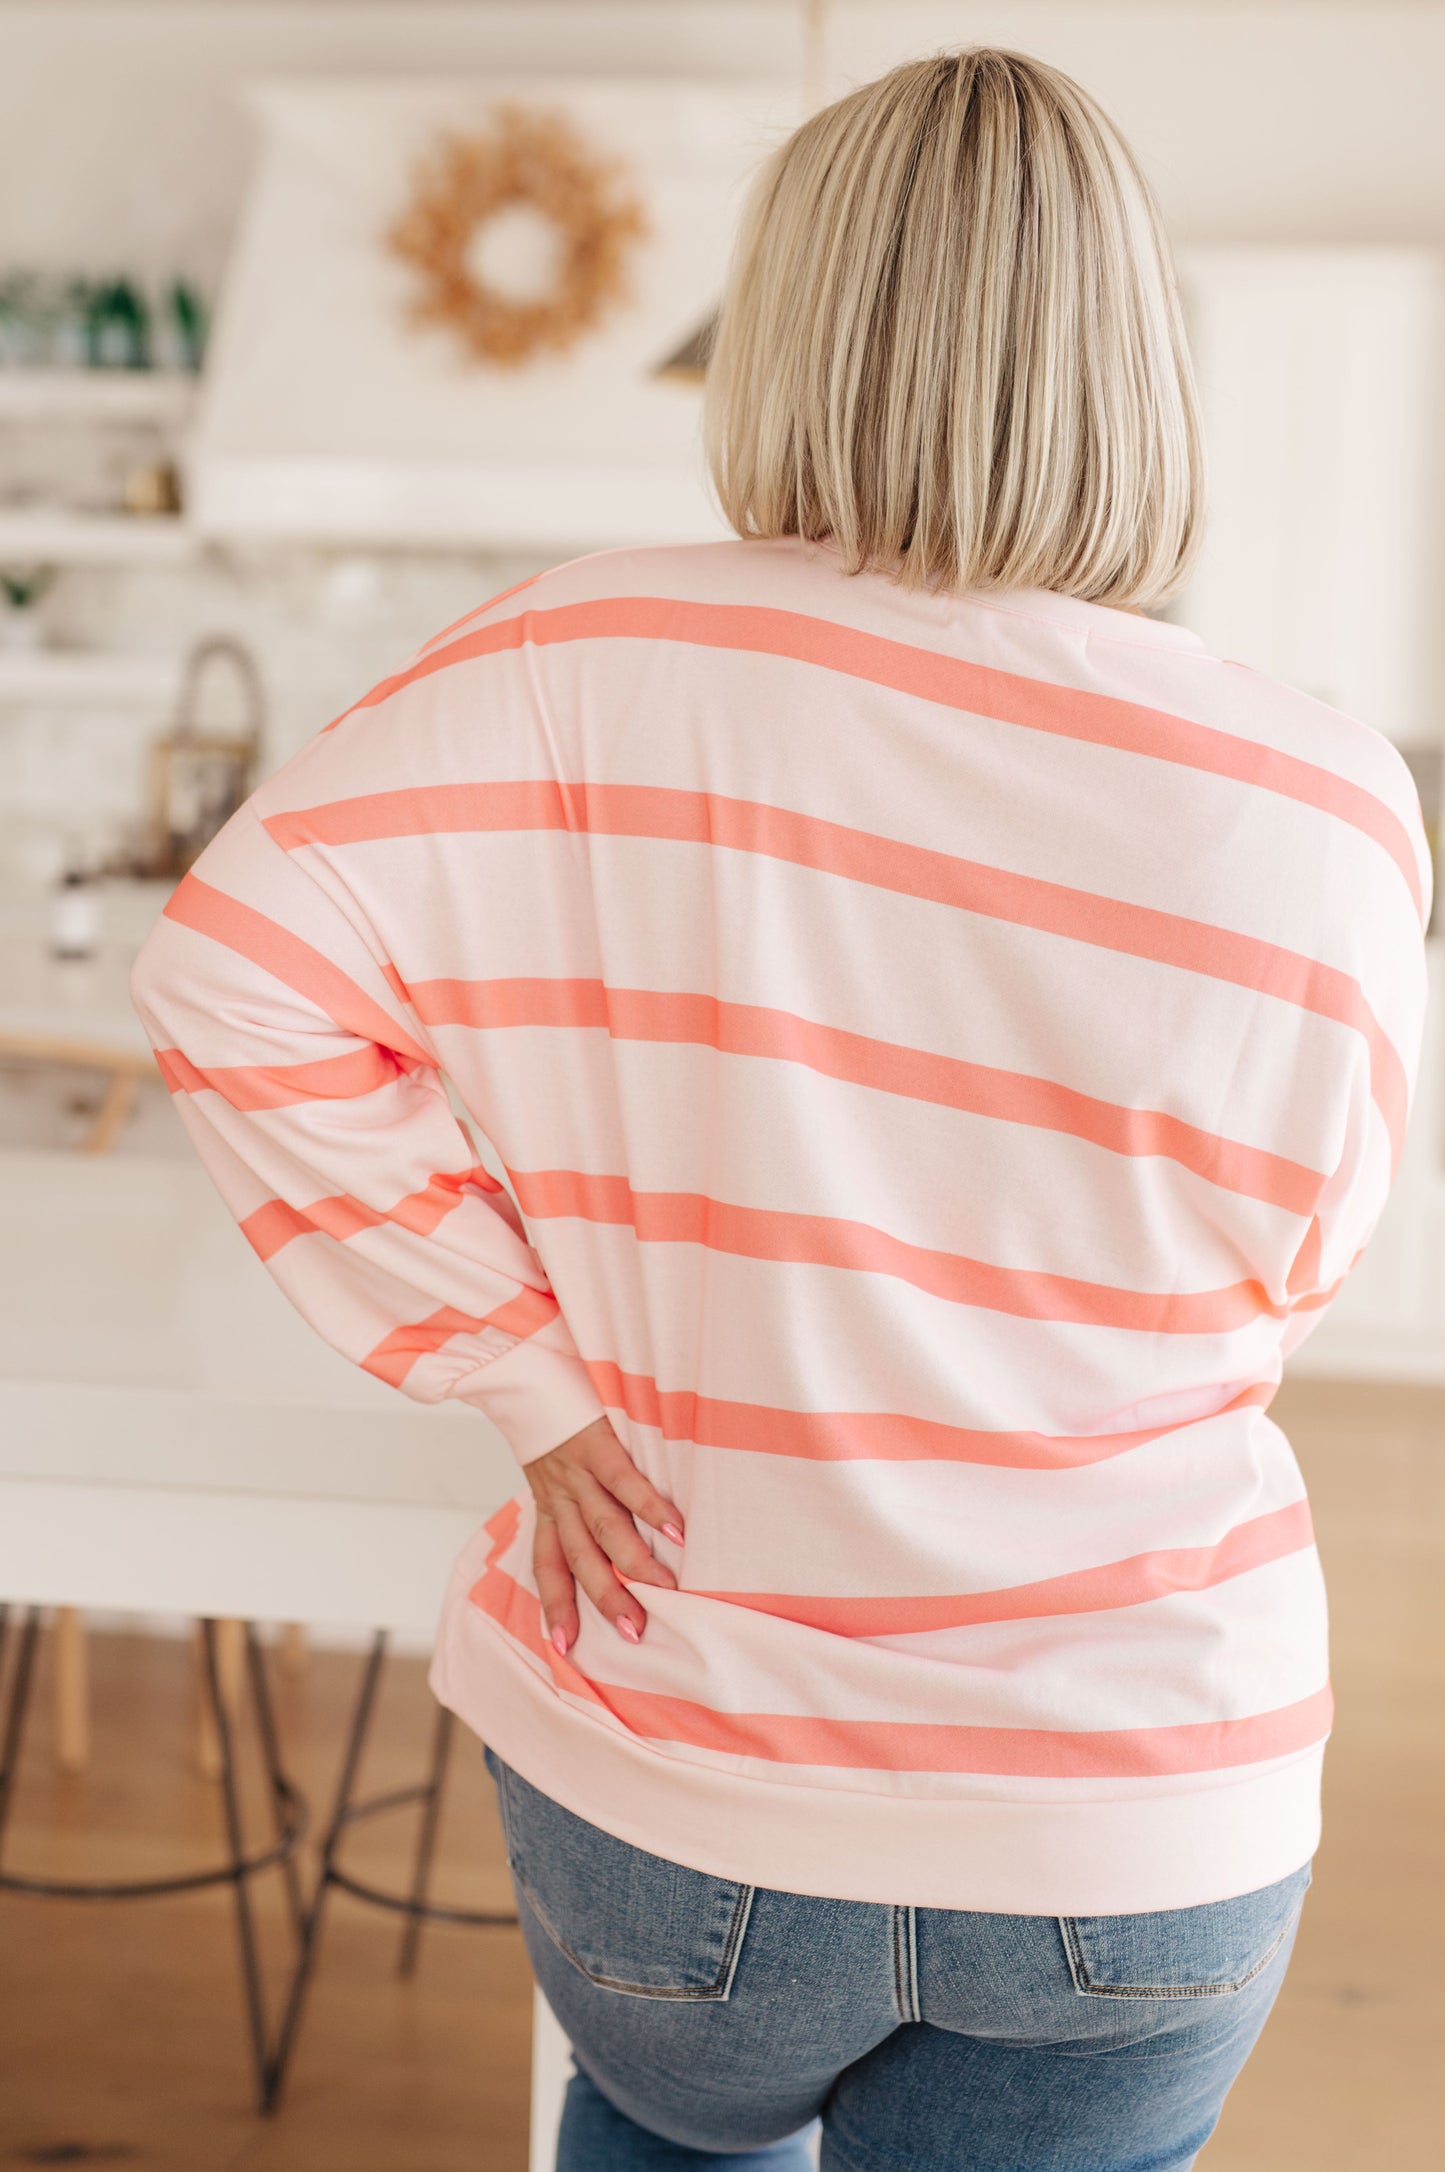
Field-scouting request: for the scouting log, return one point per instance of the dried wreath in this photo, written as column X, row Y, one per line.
column 531, row 159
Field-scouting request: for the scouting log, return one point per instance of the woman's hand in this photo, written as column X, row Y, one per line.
column 587, row 1493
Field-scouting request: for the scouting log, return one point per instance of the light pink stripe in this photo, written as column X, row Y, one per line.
column 239, row 928
column 823, row 1240
column 885, row 863
column 396, row 1353
column 913, row 1745
column 750, row 1029
column 273, row 1225
column 1133, row 1582
column 1035, row 704
column 468, row 618
column 250, row 1086
column 845, row 1436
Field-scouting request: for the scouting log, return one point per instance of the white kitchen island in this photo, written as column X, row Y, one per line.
column 175, row 1439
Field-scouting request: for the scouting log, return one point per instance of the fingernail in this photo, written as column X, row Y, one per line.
column 670, row 1530
column 627, row 1627
column 559, row 1641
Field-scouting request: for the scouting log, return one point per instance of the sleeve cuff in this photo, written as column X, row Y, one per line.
column 536, row 1397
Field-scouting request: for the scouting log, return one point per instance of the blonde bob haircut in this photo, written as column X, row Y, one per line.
column 952, row 345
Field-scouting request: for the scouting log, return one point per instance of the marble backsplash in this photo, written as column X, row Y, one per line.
column 322, row 627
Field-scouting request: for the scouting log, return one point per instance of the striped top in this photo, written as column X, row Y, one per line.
column 942, row 1053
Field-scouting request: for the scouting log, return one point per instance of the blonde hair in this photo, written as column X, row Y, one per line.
column 952, row 344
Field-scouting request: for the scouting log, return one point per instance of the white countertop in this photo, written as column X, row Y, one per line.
column 174, row 1437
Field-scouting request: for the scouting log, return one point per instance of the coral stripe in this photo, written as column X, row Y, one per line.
column 270, row 1227
column 467, row 618
column 273, row 1225
column 822, row 1240
column 913, row 1745
column 752, row 1029
column 502, row 1527
column 1134, row 1582
column 396, row 1353
column 524, row 1314
column 251, row 1086
column 1033, row 704
column 844, row 1436
column 905, row 1331
column 239, row 928
column 684, row 816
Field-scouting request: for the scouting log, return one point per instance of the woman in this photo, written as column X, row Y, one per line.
column 946, row 1036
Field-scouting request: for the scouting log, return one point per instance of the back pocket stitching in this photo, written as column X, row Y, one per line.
column 1078, row 1969
column 717, row 1992
column 721, row 1986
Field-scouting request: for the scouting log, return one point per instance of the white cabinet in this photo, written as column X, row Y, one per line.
column 1319, row 377
column 1388, row 1322
column 1320, row 380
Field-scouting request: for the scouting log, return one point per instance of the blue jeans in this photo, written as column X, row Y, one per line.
column 714, row 2023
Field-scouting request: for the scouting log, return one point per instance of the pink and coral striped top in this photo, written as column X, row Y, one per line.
column 942, row 1053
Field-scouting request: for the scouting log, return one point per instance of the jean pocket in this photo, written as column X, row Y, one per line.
column 630, row 1921
column 1183, row 1953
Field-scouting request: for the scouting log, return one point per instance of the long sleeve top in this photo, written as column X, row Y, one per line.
column 931, row 1058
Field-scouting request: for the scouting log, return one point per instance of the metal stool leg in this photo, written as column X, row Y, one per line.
column 18, row 1703
column 245, row 1924
column 426, row 1842
column 325, row 1877
column 236, row 1870
column 276, row 1778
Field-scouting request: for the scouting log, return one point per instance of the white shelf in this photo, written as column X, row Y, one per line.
column 35, row 537
column 100, row 395
column 84, row 677
column 461, row 504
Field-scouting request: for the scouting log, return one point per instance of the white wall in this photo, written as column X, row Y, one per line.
column 123, row 146
column 122, row 140
column 1259, row 120
column 1285, row 120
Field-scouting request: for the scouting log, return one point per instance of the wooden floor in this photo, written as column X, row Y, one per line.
column 120, row 2027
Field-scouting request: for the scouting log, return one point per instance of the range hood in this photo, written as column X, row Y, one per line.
column 330, row 416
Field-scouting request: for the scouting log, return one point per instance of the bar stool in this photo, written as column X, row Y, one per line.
column 204, row 1454
column 240, row 1864
column 350, row 1809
